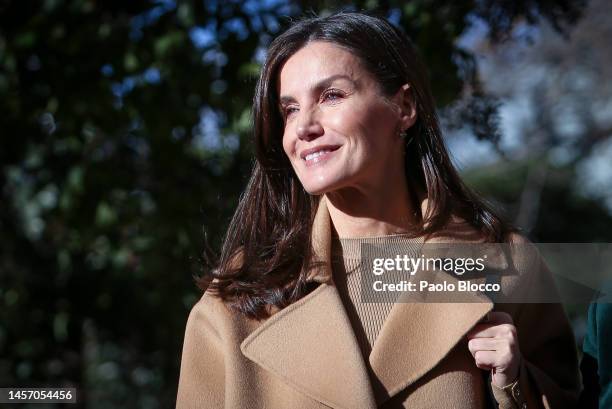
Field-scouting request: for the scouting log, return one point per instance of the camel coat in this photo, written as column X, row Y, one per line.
column 306, row 356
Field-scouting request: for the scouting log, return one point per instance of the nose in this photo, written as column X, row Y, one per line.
column 308, row 126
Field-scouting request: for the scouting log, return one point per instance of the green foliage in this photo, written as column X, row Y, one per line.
column 563, row 215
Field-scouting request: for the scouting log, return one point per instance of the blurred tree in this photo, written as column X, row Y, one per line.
column 554, row 174
column 557, row 93
column 125, row 128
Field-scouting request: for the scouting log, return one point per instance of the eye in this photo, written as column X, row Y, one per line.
column 332, row 95
column 289, row 110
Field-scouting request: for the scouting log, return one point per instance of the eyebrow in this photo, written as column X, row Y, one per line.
column 324, row 83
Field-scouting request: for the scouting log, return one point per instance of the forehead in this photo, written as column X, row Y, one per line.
column 316, row 61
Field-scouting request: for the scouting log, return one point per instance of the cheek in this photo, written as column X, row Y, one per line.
column 367, row 128
column 382, row 118
column 348, row 118
column 287, row 146
column 369, row 118
column 380, row 125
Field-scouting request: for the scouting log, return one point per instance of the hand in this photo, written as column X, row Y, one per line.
column 494, row 345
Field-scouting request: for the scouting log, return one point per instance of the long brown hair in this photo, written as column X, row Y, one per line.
column 267, row 249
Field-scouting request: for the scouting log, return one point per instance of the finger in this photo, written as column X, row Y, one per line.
column 492, row 331
column 485, row 359
column 482, row 331
column 497, row 317
column 484, row 344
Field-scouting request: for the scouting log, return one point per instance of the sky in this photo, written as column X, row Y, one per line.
column 571, row 85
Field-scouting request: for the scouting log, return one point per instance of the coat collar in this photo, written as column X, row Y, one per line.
column 312, row 346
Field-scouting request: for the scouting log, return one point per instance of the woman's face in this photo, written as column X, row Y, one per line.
column 339, row 132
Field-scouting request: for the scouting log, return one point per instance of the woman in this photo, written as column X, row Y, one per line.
column 349, row 151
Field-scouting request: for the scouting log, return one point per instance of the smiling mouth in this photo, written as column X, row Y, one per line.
column 312, row 156
column 318, row 155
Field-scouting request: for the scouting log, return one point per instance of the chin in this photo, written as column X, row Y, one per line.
column 319, row 188
column 319, row 183
column 315, row 190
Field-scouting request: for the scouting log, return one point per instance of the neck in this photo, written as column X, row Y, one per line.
column 371, row 212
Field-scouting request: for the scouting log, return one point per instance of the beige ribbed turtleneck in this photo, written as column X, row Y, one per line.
column 366, row 318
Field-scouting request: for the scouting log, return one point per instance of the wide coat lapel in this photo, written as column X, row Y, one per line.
column 423, row 328
column 418, row 335
column 312, row 346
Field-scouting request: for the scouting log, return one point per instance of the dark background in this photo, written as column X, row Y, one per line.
column 125, row 140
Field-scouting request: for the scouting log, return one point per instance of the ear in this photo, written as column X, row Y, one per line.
column 406, row 102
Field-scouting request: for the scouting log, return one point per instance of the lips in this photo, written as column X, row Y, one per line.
column 311, row 153
column 318, row 154
column 312, row 156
